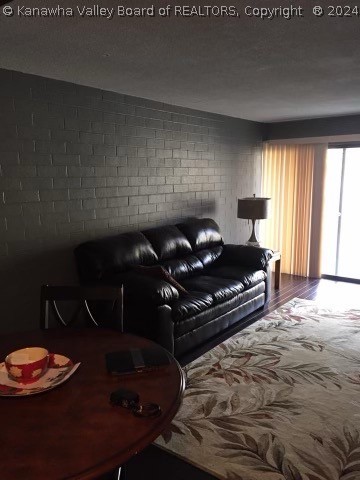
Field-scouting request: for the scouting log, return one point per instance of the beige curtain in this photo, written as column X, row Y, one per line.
column 288, row 179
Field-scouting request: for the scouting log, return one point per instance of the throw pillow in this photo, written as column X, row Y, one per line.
column 157, row 271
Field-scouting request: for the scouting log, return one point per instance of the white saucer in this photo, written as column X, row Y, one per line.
column 60, row 369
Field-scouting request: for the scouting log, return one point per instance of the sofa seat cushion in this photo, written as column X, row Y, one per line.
column 189, row 324
column 159, row 272
column 221, row 289
column 249, row 278
column 144, row 290
column 193, row 304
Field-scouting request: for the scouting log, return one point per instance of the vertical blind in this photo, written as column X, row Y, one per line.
column 288, row 178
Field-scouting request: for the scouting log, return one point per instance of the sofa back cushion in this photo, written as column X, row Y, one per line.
column 168, row 242
column 202, row 233
column 183, row 267
column 183, row 250
column 209, row 255
column 99, row 258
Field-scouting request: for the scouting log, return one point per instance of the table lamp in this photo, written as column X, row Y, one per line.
column 253, row 208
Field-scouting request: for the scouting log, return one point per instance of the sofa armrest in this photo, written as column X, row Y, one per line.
column 246, row 256
column 138, row 288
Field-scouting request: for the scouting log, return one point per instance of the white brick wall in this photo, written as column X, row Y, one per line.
column 79, row 163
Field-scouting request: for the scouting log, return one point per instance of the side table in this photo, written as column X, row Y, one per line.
column 277, row 259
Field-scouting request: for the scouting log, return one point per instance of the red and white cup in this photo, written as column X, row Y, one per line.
column 28, row 364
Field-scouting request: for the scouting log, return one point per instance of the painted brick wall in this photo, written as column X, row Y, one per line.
column 79, row 163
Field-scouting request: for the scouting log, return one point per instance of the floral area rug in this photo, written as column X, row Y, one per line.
column 279, row 400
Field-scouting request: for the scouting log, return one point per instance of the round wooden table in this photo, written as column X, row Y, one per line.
column 72, row 431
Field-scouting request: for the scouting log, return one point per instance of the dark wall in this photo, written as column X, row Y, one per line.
column 318, row 127
column 79, row 163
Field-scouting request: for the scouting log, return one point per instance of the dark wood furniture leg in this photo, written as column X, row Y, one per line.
column 277, row 260
column 277, row 273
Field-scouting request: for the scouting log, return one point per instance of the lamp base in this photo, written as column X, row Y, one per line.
column 253, row 241
column 252, row 244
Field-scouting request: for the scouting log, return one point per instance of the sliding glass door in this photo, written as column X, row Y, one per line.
column 341, row 222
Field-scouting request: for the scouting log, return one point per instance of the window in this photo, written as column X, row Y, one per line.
column 341, row 226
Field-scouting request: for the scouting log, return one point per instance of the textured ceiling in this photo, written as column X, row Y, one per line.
column 264, row 70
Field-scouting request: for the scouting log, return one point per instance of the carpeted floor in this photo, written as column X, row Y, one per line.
column 279, row 400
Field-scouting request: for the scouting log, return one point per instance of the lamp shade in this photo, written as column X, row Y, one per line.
column 255, row 208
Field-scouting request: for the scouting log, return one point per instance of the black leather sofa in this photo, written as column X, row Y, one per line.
column 224, row 283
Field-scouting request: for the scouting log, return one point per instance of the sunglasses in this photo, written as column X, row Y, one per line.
column 131, row 401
